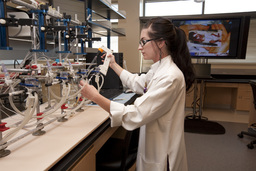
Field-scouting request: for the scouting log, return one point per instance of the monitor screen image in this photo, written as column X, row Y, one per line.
column 214, row 38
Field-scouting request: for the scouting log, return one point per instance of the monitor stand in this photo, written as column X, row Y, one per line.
column 196, row 123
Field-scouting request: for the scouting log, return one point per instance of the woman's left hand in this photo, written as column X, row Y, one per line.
column 88, row 91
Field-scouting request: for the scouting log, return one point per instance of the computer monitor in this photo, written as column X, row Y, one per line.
column 215, row 37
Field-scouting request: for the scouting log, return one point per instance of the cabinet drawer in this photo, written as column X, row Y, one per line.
column 86, row 162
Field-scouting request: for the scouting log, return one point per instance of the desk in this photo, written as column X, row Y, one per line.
column 224, row 93
column 70, row 145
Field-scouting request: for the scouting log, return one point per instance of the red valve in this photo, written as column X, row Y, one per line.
column 80, row 99
column 33, row 67
column 64, row 106
column 3, row 127
column 56, row 64
column 39, row 114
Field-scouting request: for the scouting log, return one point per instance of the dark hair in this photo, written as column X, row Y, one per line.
column 176, row 41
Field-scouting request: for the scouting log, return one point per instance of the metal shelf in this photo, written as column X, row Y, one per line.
column 101, row 13
column 105, row 10
column 104, row 30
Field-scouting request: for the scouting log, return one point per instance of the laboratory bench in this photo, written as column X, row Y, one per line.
column 70, row 145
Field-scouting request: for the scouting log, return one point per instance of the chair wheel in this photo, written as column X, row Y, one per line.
column 240, row 135
column 250, row 146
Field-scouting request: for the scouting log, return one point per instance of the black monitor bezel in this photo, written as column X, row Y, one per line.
column 242, row 37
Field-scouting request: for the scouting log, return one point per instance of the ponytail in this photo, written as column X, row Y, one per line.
column 181, row 57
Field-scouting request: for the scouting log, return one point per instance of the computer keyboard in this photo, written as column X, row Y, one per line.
column 113, row 93
column 110, row 93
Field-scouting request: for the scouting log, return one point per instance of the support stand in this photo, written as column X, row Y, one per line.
column 39, row 132
column 4, row 153
column 198, row 115
column 196, row 123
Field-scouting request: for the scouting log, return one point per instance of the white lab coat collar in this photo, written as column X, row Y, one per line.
column 158, row 65
column 162, row 61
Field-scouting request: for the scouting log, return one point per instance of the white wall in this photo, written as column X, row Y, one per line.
column 129, row 44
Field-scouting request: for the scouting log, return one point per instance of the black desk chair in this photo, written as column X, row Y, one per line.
column 252, row 129
column 118, row 154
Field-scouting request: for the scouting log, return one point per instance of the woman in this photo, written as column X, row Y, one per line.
column 160, row 111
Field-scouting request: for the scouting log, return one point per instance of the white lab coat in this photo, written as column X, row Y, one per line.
column 160, row 115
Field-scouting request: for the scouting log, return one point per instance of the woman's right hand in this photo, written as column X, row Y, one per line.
column 112, row 59
column 112, row 64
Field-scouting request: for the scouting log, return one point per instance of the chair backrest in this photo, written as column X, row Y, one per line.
column 253, row 85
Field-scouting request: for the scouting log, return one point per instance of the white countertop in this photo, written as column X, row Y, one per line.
column 42, row 152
